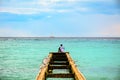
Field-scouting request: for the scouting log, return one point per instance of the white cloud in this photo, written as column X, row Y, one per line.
column 113, row 30
column 38, row 6
column 9, row 32
column 25, row 10
column 49, row 16
column 19, row 10
column 82, row 9
column 63, row 11
column 109, row 25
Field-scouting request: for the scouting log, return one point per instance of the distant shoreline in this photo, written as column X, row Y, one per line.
column 66, row 37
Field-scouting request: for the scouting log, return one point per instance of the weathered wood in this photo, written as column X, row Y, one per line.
column 42, row 73
column 60, row 61
column 59, row 67
column 78, row 74
column 54, row 57
column 60, row 75
column 57, row 53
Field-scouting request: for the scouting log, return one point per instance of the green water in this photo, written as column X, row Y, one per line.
column 97, row 59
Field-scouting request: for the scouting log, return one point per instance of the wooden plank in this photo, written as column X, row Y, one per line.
column 58, row 63
column 60, row 75
column 57, row 53
column 42, row 75
column 78, row 74
column 59, row 67
column 59, row 59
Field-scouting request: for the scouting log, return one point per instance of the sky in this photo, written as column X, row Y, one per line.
column 60, row 18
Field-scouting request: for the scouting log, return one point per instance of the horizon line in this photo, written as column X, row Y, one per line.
column 58, row 37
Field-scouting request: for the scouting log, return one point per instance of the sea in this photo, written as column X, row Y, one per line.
column 97, row 58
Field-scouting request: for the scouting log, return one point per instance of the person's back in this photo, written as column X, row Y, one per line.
column 61, row 48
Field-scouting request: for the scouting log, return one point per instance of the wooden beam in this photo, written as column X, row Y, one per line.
column 59, row 67
column 78, row 74
column 59, row 59
column 58, row 63
column 60, row 75
column 42, row 73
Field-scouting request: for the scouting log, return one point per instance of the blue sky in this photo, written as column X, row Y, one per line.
column 60, row 18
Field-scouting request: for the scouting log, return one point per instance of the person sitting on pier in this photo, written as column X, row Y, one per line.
column 61, row 48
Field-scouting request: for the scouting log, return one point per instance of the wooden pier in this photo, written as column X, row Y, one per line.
column 60, row 62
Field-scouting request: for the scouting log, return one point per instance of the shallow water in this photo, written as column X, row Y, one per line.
column 96, row 58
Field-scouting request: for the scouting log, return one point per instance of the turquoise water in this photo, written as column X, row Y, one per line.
column 97, row 59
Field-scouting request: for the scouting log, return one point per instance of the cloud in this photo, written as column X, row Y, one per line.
column 48, row 6
column 9, row 32
column 39, row 6
column 24, row 10
column 112, row 31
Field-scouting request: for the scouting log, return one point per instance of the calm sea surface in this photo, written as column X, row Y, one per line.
column 96, row 58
